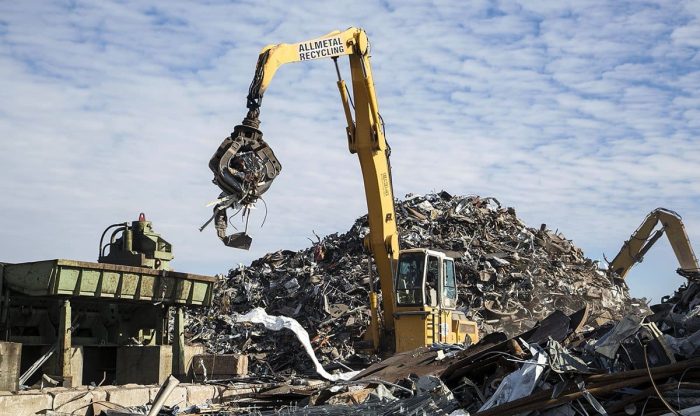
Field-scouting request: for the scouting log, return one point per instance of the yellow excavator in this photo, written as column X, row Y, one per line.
column 418, row 286
column 634, row 249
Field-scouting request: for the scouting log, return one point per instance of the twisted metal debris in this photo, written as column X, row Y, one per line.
column 635, row 366
column 510, row 275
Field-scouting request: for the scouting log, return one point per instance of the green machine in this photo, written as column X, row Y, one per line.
column 138, row 246
column 125, row 299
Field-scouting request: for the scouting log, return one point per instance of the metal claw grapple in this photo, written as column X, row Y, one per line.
column 244, row 167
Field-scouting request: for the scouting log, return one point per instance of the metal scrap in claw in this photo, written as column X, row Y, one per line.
column 244, row 167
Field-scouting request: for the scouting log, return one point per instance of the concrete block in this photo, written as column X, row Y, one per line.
column 177, row 397
column 199, row 394
column 128, row 396
column 77, row 401
column 25, row 404
column 10, row 359
column 219, row 366
column 150, row 364
column 144, row 365
column 191, row 351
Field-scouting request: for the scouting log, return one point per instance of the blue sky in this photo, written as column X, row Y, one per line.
column 582, row 115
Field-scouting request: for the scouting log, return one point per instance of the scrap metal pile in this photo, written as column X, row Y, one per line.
column 560, row 367
column 633, row 366
column 510, row 277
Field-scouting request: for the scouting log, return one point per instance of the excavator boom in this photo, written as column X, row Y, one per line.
column 634, row 249
column 365, row 138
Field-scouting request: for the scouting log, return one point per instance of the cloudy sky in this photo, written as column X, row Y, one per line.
column 583, row 115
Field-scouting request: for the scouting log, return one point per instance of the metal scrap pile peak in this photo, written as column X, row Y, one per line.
column 510, row 275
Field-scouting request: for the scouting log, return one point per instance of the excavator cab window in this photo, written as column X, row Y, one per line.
column 431, row 280
column 409, row 279
column 449, row 289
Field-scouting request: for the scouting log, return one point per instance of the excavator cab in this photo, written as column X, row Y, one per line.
column 426, row 301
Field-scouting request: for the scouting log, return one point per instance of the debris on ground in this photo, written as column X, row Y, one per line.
column 510, row 277
column 561, row 366
column 632, row 366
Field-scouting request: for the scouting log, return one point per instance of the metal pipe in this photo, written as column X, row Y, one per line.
column 373, row 307
column 37, row 364
column 163, row 394
column 124, row 224
column 112, row 240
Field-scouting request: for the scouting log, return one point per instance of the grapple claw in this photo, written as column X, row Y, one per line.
column 244, row 167
column 238, row 240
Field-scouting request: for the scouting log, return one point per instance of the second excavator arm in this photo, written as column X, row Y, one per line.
column 634, row 249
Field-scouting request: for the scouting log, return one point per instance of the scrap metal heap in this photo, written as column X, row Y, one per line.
column 560, row 367
column 511, row 276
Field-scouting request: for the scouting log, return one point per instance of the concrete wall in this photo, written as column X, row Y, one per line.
column 83, row 401
column 10, row 359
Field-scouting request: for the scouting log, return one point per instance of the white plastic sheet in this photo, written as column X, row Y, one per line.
column 277, row 323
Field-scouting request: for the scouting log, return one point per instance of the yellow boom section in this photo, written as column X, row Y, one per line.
column 365, row 137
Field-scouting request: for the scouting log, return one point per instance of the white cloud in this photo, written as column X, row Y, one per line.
column 583, row 115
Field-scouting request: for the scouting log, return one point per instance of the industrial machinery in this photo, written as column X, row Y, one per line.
column 421, row 308
column 634, row 249
column 99, row 312
column 138, row 246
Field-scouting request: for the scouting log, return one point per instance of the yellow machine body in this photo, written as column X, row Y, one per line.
column 426, row 298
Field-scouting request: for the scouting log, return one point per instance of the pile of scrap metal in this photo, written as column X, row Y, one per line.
column 510, row 277
column 633, row 366
column 561, row 367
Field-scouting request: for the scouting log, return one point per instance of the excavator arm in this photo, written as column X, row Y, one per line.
column 272, row 57
column 634, row 249
column 365, row 138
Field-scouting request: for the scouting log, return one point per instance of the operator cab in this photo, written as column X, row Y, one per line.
column 426, row 302
column 426, row 277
